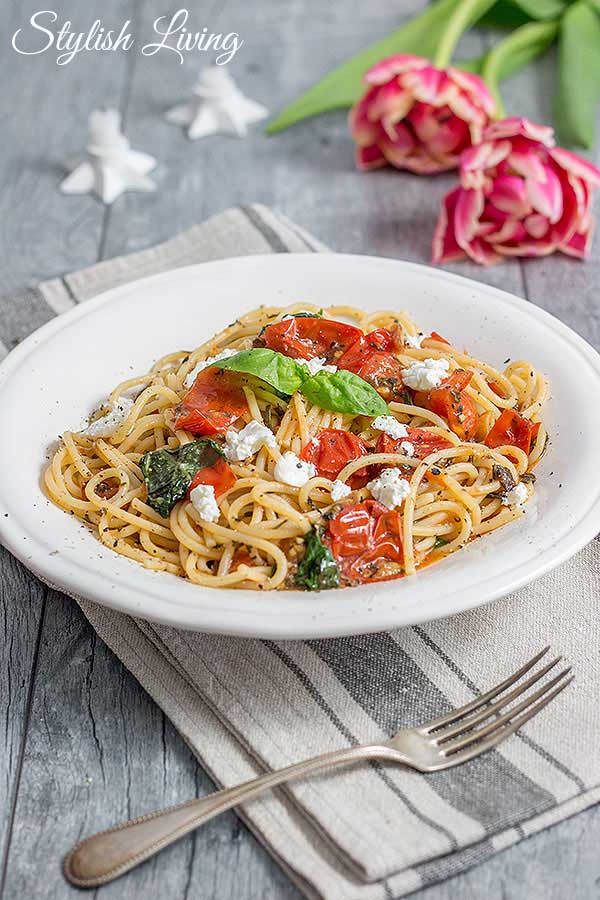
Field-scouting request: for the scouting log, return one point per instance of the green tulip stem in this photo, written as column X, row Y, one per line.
column 521, row 46
column 466, row 13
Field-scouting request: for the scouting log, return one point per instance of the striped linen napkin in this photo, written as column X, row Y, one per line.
column 373, row 832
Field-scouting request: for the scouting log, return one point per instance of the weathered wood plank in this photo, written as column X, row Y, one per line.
column 42, row 233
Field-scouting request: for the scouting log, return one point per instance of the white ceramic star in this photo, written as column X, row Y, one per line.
column 217, row 107
column 111, row 166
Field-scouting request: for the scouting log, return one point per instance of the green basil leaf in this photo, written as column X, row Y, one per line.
column 343, row 86
column 317, row 570
column 168, row 473
column 281, row 372
column 344, row 392
column 578, row 75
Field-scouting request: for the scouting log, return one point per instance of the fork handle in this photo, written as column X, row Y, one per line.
column 109, row 854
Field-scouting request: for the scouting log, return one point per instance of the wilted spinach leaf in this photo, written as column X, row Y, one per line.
column 344, row 392
column 168, row 473
column 318, row 569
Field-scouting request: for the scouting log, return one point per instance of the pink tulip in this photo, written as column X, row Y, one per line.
column 417, row 117
column 519, row 195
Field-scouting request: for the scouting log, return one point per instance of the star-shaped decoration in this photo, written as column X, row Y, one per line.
column 217, row 107
column 111, row 166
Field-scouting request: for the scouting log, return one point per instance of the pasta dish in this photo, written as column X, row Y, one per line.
column 305, row 449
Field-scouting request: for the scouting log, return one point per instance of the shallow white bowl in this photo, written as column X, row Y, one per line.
column 59, row 374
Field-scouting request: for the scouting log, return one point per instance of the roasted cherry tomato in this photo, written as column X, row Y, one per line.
column 370, row 358
column 366, row 541
column 241, row 557
column 424, row 442
column 220, row 475
column 215, row 400
column 451, row 402
column 511, row 428
column 331, row 449
column 305, row 337
column 434, row 336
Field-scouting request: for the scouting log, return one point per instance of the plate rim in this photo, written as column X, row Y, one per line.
column 48, row 569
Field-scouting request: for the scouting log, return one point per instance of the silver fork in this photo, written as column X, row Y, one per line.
column 441, row 743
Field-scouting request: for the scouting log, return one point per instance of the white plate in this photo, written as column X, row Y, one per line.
column 59, row 374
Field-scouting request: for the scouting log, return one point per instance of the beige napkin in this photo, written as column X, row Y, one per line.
column 246, row 706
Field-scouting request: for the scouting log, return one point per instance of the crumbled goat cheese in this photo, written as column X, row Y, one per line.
column 517, row 496
column 204, row 502
column 407, row 448
column 199, row 367
column 339, row 490
column 414, row 340
column 242, row 444
column 425, row 374
column 109, row 423
column 292, row 470
column 390, row 426
column 318, row 364
column 389, row 488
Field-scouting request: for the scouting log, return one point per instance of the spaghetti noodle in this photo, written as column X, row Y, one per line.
column 470, row 440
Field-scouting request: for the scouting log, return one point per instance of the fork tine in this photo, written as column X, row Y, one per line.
column 467, row 724
column 478, row 747
column 475, row 704
column 508, row 716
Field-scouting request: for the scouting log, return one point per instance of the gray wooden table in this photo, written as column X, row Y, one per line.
column 82, row 744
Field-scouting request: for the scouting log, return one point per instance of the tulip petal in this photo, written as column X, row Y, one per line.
column 469, row 207
column 474, row 85
column 382, row 71
column 580, row 244
column 362, row 129
column 425, row 84
column 517, row 125
column 444, row 247
column 391, row 101
column 546, row 196
column 397, row 143
column 509, row 194
column 530, row 248
column 369, row 158
column 536, row 226
column 482, row 253
column 576, row 165
column 511, row 231
column 527, row 163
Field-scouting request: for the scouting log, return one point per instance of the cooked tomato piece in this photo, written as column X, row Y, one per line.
column 458, row 380
column 241, row 557
column 382, row 339
column 213, row 403
column 496, row 388
column 451, row 402
column 434, row 336
column 220, row 475
column 304, row 337
column 331, row 449
column 424, row 442
column 370, row 359
column 366, row 541
column 511, row 428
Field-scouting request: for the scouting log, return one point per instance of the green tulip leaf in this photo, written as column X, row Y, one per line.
column 578, row 89
column 541, row 9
